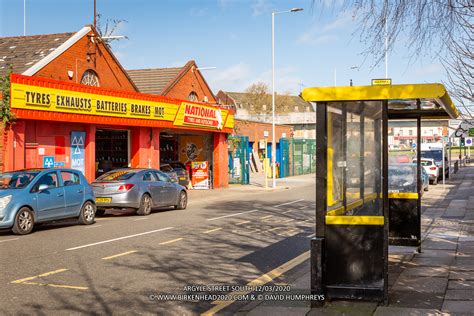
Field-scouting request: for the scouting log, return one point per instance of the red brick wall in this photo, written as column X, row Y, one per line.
column 255, row 130
column 191, row 81
column 84, row 55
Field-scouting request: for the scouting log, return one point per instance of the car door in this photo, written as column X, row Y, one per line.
column 153, row 186
column 167, row 189
column 73, row 192
column 50, row 202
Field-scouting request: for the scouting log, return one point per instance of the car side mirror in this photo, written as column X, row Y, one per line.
column 43, row 187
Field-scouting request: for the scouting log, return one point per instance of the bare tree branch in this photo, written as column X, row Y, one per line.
column 442, row 29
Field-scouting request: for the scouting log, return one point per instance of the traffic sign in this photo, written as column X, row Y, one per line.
column 48, row 162
column 468, row 141
column 381, row 82
column 413, row 145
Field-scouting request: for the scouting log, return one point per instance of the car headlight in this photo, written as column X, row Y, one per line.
column 3, row 204
column 4, row 201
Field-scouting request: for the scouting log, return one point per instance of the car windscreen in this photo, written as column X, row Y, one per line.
column 425, row 162
column 118, row 175
column 16, row 180
column 166, row 168
column 437, row 155
column 178, row 166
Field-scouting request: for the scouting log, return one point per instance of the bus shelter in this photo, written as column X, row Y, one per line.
column 363, row 202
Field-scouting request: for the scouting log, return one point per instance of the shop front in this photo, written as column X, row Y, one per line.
column 96, row 130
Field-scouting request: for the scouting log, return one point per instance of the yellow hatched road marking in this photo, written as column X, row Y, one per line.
column 265, row 217
column 262, row 280
column 287, row 211
column 272, row 229
column 119, row 255
column 289, row 220
column 39, row 276
column 241, row 223
column 170, row 241
column 83, row 288
column 212, row 230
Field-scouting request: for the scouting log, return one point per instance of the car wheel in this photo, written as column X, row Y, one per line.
column 87, row 215
column 182, row 201
column 99, row 212
column 24, row 222
column 145, row 205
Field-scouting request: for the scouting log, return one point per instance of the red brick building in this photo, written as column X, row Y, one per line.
column 70, row 87
column 186, row 83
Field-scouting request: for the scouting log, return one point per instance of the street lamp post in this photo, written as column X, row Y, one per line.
column 273, row 92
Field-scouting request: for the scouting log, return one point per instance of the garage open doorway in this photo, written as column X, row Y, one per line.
column 112, row 150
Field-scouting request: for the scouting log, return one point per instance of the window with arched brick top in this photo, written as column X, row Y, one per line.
column 90, row 78
column 193, row 96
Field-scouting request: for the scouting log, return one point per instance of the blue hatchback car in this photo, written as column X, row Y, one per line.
column 39, row 195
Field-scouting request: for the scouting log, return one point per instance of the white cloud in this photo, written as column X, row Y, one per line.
column 224, row 3
column 341, row 21
column 323, row 34
column 178, row 63
column 233, row 78
column 429, row 70
column 260, row 7
column 287, row 79
column 239, row 77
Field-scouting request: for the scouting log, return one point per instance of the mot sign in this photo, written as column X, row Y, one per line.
column 77, row 150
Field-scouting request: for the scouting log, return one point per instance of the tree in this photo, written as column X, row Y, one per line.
column 441, row 28
column 7, row 117
column 109, row 28
column 258, row 98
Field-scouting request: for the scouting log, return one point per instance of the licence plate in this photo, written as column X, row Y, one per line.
column 182, row 178
column 103, row 200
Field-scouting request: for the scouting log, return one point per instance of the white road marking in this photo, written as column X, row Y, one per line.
column 296, row 201
column 230, row 215
column 9, row 239
column 311, row 236
column 120, row 238
column 93, row 226
column 140, row 219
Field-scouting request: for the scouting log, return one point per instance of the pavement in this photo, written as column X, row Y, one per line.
column 256, row 186
column 437, row 281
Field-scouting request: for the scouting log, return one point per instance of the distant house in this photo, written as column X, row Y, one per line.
column 297, row 113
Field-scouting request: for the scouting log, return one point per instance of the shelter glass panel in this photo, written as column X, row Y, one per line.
column 402, row 168
column 354, row 158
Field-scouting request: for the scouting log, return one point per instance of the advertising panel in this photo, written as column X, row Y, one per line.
column 200, row 175
column 117, row 104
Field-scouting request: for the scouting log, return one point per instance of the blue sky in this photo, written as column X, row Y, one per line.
column 232, row 35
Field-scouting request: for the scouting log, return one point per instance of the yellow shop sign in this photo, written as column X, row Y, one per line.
column 31, row 97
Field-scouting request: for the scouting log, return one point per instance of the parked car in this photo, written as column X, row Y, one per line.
column 33, row 196
column 182, row 172
column 437, row 155
column 431, row 169
column 139, row 189
column 170, row 172
column 425, row 180
column 402, row 178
